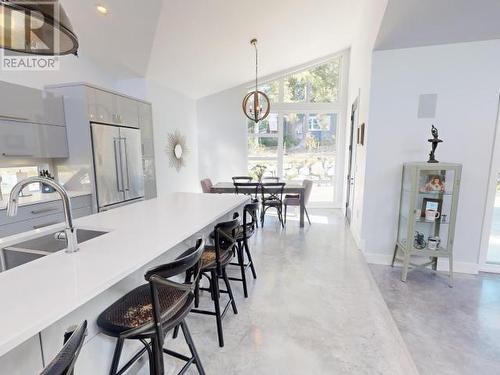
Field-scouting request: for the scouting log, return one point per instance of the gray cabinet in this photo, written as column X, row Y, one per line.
column 109, row 108
column 427, row 213
column 20, row 103
column 28, row 140
column 39, row 215
column 148, row 151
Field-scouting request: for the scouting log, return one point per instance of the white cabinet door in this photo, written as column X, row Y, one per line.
column 53, row 107
column 127, row 111
column 52, row 141
column 146, row 126
column 20, row 103
column 17, row 140
column 105, row 107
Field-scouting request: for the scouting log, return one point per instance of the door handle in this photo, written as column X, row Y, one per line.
column 127, row 179
column 118, row 168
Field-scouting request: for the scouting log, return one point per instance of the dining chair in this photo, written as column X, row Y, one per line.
column 206, row 185
column 149, row 311
column 248, row 188
column 64, row 362
column 294, row 199
column 242, row 179
column 272, row 197
column 270, row 179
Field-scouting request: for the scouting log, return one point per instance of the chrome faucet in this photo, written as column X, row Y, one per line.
column 70, row 231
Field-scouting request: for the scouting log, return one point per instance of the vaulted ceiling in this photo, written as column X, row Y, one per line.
column 201, row 47
column 416, row 23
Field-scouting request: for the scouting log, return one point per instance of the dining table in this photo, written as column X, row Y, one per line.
column 291, row 187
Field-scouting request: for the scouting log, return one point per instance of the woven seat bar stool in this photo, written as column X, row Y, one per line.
column 64, row 362
column 214, row 261
column 272, row 197
column 243, row 234
column 149, row 311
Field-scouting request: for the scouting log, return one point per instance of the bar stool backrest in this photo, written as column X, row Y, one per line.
column 64, row 361
column 250, row 210
column 225, row 238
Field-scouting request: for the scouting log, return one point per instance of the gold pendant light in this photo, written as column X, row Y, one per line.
column 36, row 27
column 256, row 104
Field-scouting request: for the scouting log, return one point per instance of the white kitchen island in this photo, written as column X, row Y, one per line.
column 42, row 298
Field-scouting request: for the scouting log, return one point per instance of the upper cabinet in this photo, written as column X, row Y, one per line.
column 109, row 108
column 21, row 103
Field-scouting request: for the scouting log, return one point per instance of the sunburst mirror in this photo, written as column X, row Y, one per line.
column 176, row 150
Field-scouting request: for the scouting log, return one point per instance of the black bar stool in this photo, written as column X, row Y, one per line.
column 64, row 361
column 214, row 261
column 243, row 233
column 151, row 310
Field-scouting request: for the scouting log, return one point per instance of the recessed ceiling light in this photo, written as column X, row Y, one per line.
column 102, row 9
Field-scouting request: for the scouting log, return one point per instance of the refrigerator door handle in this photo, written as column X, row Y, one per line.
column 118, row 162
column 126, row 176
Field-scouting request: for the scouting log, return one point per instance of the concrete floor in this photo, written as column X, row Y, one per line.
column 314, row 309
column 447, row 330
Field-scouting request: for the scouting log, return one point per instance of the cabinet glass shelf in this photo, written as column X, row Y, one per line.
column 427, row 212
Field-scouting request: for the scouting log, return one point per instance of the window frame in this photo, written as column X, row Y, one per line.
column 339, row 107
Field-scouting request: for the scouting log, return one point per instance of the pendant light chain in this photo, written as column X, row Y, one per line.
column 256, row 65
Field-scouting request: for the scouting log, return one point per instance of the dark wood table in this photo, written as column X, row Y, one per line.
column 291, row 187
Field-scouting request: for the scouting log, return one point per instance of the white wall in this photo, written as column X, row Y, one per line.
column 172, row 110
column 359, row 84
column 466, row 78
column 222, row 137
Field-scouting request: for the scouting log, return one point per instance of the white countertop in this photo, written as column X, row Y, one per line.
column 36, row 198
column 37, row 294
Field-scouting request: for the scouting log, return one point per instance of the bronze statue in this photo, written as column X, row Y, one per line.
column 435, row 141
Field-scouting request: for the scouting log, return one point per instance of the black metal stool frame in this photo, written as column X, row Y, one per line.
column 156, row 329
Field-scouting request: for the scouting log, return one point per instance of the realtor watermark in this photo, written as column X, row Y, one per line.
column 27, row 29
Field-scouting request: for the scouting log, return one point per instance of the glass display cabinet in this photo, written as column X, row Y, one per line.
column 427, row 212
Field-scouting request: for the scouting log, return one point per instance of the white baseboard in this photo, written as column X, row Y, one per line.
column 459, row 267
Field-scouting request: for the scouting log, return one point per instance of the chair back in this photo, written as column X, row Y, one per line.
column 187, row 260
column 64, row 361
column 206, row 185
column 225, row 239
column 242, row 179
column 270, row 179
column 248, row 188
column 308, row 185
column 272, row 191
column 250, row 217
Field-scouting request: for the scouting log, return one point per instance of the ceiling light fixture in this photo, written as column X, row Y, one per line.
column 102, row 9
column 37, row 28
column 256, row 105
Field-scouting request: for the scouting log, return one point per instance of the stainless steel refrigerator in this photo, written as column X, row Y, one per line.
column 117, row 165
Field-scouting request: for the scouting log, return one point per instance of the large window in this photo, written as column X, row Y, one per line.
column 300, row 137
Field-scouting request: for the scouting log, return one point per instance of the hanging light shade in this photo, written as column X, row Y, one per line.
column 38, row 27
column 256, row 104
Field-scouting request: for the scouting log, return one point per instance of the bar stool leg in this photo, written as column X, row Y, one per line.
column 250, row 260
column 229, row 290
column 241, row 261
column 116, row 356
column 192, row 348
column 215, row 292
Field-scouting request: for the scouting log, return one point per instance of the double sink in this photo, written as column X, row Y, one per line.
column 28, row 251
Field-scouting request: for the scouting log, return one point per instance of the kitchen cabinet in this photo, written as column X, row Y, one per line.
column 110, row 108
column 146, row 126
column 28, row 140
column 53, row 110
column 39, row 215
column 20, row 103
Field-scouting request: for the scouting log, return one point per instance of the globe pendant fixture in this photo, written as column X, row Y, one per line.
column 36, row 27
column 256, row 105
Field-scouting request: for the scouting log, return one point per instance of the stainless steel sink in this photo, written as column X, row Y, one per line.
column 27, row 251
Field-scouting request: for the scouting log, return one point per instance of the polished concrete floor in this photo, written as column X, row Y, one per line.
column 447, row 330
column 314, row 309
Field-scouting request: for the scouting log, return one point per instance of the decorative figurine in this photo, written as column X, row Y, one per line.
column 435, row 141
